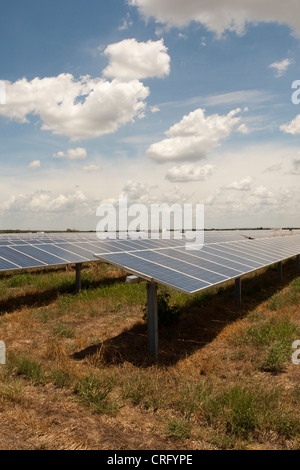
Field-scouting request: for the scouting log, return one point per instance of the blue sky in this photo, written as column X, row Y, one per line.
column 163, row 101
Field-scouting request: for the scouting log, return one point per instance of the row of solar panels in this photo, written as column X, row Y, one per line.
column 165, row 261
column 193, row 271
column 209, row 236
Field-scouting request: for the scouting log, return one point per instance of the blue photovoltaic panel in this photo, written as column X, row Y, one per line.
column 180, row 266
column 37, row 253
column 233, row 250
column 201, row 262
column 6, row 265
column 150, row 270
column 91, row 247
column 18, row 258
column 62, row 253
column 224, row 260
column 220, row 251
column 204, row 255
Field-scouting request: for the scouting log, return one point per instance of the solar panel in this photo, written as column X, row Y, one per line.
column 214, row 263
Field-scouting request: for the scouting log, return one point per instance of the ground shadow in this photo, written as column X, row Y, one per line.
column 46, row 297
column 202, row 319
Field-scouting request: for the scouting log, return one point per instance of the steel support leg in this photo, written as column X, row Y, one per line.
column 152, row 319
column 238, row 291
column 298, row 262
column 78, row 277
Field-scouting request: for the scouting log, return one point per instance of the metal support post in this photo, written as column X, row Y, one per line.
column 152, row 319
column 298, row 262
column 78, row 277
column 238, row 291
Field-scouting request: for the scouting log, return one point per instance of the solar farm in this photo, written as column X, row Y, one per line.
column 118, row 336
column 224, row 256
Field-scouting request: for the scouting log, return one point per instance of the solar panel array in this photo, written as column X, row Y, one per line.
column 214, row 263
column 225, row 255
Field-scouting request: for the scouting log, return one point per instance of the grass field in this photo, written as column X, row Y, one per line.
column 78, row 375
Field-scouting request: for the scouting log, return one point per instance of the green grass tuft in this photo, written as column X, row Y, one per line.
column 94, row 393
column 28, row 368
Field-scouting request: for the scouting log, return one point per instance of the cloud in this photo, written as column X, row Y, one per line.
column 183, row 36
column 138, row 192
column 275, row 167
column 130, row 59
column 281, row 67
column 189, row 172
column 263, row 196
column 239, row 97
column 80, row 109
column 243, row 129
column 193, row 137
column 34, row 165
column 216, row 16
column 242, row 185
column 92, row 168
column 292, row 127
column 127, row 22
column 73, row 154
column 45, row 201
column 258, row 205
column 296, row 166
column 154, row 109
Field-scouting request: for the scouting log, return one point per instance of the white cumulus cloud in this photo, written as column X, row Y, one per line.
column 242, row 185
column 296, row 166
column 217, row 16
column 72, row 154
column 189, row 172
column 130, row 59
column 281, row 67
column 91, row 168
column 79, row 109
column 292, row 127
column 34, row 165
column 46, row 201
column 154, row 109
column 194, row 136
